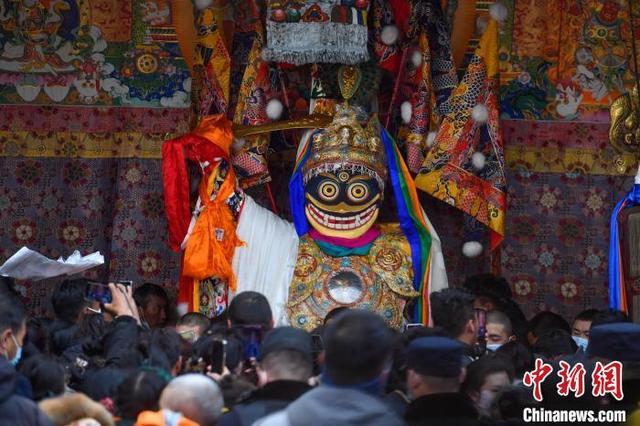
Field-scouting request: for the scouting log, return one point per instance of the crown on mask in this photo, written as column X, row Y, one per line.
column 346, row 145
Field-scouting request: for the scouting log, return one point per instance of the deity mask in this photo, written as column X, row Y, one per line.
column 342, row 204
column 344, row 178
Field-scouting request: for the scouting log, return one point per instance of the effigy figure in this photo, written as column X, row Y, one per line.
column 346, row 258
column 336, row 253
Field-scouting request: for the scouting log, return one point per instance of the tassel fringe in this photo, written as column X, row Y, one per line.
column 309, row 43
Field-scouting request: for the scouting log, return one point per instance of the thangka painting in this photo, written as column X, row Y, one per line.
column 91, row 52
column 566, row 60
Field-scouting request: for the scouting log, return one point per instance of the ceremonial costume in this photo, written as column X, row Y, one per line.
column 342, row 259
column 380, row 280
column 335, row 254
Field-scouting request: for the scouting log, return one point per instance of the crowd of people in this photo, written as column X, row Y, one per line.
column 134, row 362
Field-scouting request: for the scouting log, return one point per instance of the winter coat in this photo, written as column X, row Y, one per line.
column 334, row 406
column 272, row 397
column 443, row 409
column 17, row 410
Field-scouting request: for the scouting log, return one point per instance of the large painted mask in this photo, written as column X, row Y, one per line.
column 344, row 178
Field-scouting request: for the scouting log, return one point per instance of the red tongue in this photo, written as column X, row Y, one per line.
column 343, row 222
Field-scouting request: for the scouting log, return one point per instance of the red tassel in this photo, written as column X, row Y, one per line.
column 176, row 191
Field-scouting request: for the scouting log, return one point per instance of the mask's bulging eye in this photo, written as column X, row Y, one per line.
column 328, row 190
column 357, row 192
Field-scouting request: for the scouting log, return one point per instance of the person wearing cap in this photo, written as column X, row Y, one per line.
column 284, row 369
column 358, row 347
column 434, row 374
column 615, row 341
column 619, row 342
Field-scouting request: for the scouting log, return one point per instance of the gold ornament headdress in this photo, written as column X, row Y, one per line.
column 346, row 145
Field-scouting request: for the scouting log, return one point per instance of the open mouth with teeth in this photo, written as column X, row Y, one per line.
column 335, row 222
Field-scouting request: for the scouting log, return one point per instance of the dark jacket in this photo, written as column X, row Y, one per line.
column 116, row 343
column 17, row 410
column 272, row 397
column 470, row 355
column 334, row 406
column 62, row 335
column 116, row 348
column 455, row 409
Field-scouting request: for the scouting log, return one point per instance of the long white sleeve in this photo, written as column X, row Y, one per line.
column 437, row 269
column 267, row 261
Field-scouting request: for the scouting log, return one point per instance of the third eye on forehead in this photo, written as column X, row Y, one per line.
column 338, row 176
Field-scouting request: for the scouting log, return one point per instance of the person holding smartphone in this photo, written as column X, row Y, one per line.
column 122, row 302
column 70, row 305
column 284, row 369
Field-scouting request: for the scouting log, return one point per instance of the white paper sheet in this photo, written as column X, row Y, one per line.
column 27, row 264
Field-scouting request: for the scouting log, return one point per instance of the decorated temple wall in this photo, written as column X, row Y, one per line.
column 562, row 64
column 87, row 100
column 84, row 114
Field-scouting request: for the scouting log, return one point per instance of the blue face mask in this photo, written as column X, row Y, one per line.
column 16, row 358
column 492, row 347
column 581, row 342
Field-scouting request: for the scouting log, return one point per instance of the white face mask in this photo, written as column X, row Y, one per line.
column 492, row 347
column 485, row 403
column 581, row 342
column 16, row 358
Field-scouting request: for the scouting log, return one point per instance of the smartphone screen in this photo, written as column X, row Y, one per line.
column 98, row 292
column 481, row 318
column 218, row 356
column 252, row 337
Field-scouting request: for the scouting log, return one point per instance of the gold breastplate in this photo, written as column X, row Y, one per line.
column 381, row 281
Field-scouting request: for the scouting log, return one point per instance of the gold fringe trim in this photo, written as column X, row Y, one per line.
column 82, row 145
column 570, row 160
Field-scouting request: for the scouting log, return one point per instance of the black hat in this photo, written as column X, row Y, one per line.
column 286, row 338
column 435, row 356
column 617, row 341
column 488, row 285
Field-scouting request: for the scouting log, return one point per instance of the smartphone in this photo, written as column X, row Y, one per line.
column 480, row 348
column 218, row 355
column 98, row 292
column 252, row 338
column 481, row 318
